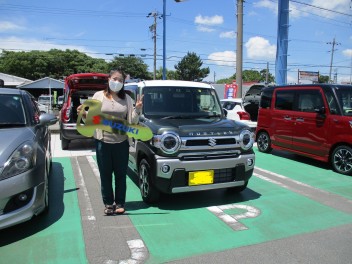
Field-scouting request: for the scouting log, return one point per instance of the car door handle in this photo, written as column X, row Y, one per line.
column 287, row 117
column 300, row 119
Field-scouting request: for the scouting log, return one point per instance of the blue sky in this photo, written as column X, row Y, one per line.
column 206, row 27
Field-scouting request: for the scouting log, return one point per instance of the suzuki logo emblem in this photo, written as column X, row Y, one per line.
column 212, row 142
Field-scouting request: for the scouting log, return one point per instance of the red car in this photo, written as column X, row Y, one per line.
column 78, row 88
column 310, row 120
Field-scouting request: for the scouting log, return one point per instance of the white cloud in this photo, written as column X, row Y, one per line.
column 9, row 26
column 29, row 44
column 260, row 48
column 225, row 58
column 209, row 21
column 228, row 34
column 267, row 4
column 347, row 52
column 205, row 29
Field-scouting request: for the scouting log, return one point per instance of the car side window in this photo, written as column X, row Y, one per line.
column 284, row 100
column 309, row 101
column 265, row 99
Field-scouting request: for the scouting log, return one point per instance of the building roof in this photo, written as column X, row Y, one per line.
column 12, row 80
column 43, row 83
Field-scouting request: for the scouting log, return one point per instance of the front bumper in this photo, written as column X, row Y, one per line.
column 228, row 172
column 13, row 211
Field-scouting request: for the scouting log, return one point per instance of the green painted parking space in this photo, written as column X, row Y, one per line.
column 182, row 226
column 53, row 238
column 307, row 171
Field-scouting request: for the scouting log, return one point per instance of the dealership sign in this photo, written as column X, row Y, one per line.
column 308, row 75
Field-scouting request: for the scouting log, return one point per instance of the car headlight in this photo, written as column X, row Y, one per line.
column 246, row 139
column 169, row 142
column 20, row 161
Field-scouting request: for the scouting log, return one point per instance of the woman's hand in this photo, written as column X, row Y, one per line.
column 139, row 102
column 79, row 109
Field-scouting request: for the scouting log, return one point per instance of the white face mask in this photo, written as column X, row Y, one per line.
column 115, row 86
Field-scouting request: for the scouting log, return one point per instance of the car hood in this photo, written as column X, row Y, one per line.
column 11, row 139
column 196, row 127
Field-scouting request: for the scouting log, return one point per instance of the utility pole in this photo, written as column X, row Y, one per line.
column 333, row 43
column 152, row 28
column 239, row 49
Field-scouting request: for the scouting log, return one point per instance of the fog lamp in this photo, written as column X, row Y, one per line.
column 250, row 162
column 22, row 197
column 165, row 168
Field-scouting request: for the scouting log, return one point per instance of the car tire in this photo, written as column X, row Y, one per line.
column 263, row 142
column 148, row 191
column 341, row 159
column 64, row 143
column 238, row 189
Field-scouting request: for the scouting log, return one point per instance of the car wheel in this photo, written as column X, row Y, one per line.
column 341, row 160
column 238, row 189
column 64, row 143
column 148, row 191
column 263, row 142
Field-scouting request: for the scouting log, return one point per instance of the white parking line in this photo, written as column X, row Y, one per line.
column 324, row 197
column 89, row 209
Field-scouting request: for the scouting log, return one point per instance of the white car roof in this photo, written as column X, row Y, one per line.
column 174, row 83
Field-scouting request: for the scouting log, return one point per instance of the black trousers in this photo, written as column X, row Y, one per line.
column 113, row 159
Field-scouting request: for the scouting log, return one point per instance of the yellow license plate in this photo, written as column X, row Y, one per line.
column 201, row 177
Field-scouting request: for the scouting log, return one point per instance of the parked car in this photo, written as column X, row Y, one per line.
column 45, row 100
column 60, row 101
column 25, row 157
column 78, row 88
column 43, row 108
column 251, row 100
column 194, row 146
column 309, row 120
column 234, row 110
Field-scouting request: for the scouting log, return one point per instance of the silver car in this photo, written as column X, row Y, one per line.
column 25, row 157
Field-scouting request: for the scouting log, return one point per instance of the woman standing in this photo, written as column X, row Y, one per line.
column 112, row 149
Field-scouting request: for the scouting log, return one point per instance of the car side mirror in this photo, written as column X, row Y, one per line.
column 225, row 112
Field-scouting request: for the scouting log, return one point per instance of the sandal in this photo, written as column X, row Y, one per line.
column 109, row 210
column 119, row 209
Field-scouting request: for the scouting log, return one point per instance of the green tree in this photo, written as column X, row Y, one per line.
column 250, row 76
column 133, row 66
column 271, row 78
column 189, row 68
column 323, row 79
column 170, row 75
column 54, row 63
column 225, row 80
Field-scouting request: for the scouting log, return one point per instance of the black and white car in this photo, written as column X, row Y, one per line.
column 194, row 146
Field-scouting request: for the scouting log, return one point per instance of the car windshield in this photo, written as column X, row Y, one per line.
column 344, row 95
column 12, row 111
column 180, row 102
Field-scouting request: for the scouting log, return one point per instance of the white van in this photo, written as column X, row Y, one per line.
column 45, row 100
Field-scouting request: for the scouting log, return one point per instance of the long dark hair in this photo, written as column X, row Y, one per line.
column 122, row 93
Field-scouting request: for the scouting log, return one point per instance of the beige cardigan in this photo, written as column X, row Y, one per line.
column 132, row 114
